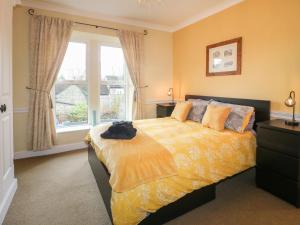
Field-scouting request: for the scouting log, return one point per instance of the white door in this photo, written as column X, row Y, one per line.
column 7, row 180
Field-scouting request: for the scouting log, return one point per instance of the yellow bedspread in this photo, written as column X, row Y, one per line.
column 133, row 162
column 202, row 155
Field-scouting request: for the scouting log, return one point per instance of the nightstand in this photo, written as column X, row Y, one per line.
column 164, row 110
column 278, row 160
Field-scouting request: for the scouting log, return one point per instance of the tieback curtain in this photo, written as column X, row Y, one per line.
column 133, row 47
column 49, row 38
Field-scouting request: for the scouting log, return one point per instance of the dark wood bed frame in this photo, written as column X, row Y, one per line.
column 189, row 201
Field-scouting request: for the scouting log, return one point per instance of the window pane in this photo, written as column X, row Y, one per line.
column 112, row 64
column 113, row 88
column 71, row 104
column 71, row 88
column 74, row 64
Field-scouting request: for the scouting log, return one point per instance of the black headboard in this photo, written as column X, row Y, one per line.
column 262, row 107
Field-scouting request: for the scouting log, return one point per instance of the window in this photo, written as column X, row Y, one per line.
column 114, row 85
column 71, row 88
column 93, row 84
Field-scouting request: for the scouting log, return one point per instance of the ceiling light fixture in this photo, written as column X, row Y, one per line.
column 142, row 2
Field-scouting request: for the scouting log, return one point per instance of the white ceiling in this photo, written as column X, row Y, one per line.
column 166, row 15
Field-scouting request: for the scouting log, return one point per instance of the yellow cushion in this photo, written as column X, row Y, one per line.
column 181, row 111
column 216, row 116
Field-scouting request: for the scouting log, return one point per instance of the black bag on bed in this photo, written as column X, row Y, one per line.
column 120, row 130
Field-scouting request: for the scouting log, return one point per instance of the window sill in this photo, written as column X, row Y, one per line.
column 72, row 129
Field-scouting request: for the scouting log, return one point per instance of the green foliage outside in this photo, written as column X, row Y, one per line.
column 78, row 113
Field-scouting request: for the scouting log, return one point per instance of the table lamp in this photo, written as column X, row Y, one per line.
column 291, row 102
column 170, row 93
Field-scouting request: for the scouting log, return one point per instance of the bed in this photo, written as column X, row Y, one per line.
column 194, row 185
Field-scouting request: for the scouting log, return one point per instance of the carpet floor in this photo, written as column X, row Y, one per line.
column 61, row 190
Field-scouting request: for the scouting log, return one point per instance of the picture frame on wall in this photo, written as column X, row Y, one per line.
column 224, row 58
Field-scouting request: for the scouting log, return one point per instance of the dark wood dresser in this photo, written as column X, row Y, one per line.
column 164, row 109
column 278, row 160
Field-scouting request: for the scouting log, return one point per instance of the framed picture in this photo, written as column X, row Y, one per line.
column 224, row 58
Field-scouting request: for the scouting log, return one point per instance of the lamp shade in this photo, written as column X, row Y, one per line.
column 290, row 101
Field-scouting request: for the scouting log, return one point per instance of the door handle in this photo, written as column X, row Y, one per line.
column 3, row 108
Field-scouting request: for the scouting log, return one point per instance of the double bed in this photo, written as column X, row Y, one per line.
column 203, row 157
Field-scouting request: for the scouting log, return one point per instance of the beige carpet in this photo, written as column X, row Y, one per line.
column 61, row 190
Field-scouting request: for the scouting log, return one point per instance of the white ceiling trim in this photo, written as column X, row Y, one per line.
column 53, row 7
column 191, row 20
column 16, row 2
column 206, row 14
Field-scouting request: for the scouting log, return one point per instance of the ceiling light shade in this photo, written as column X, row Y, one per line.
column 141, row 2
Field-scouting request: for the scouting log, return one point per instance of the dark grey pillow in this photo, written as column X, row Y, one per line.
column 198, row 110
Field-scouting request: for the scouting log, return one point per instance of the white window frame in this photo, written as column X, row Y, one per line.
column 93, row 79
column 69, row 82
column 126, row 87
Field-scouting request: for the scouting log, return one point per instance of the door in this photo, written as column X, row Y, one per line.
column 7, row 181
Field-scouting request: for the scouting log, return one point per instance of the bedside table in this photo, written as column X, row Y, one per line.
column 164, row 110
column 278, row 160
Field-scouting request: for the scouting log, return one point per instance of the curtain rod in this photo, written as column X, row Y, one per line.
column 32, row 12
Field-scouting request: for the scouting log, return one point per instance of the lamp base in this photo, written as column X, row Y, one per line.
column 291, row 123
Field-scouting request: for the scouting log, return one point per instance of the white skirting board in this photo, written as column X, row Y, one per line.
column 7, row 199
column 56, row 149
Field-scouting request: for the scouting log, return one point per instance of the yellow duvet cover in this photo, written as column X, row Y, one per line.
column 202, row 155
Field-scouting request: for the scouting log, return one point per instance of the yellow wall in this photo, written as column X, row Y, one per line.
column 271, row 52
column 158, row 71
column 270, row 64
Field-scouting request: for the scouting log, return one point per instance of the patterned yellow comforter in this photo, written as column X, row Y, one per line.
column 203, row 156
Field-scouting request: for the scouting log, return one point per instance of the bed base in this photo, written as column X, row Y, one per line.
column 164, row 214
column 101, row 175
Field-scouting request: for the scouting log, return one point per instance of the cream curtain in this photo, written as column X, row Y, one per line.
column 49, row 39
column 133, row 48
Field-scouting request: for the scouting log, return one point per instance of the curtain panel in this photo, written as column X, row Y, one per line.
column 49, row 38
column 133, row 47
